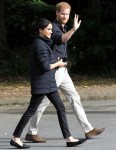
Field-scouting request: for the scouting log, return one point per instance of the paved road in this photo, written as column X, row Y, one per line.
column 100, row 114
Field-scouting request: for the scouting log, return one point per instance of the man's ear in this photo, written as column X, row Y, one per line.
column 57, row 12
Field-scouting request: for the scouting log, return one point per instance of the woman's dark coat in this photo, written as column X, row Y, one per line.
column 42, row 78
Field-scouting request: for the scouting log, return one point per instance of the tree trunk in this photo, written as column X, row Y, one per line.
column 3, row 40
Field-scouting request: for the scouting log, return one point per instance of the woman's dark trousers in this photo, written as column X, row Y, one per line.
column 34, row 103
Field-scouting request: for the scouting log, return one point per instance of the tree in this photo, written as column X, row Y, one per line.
column 3, row 40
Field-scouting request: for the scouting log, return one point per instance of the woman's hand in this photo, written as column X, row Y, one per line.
column 61, row 63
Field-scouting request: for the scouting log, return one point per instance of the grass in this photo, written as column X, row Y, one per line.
column 93, row 80
column 15, row 81
column 78, row 80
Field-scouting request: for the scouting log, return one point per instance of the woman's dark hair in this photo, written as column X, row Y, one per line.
column 40, row 24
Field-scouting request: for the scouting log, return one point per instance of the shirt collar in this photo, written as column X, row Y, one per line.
column 57, row 22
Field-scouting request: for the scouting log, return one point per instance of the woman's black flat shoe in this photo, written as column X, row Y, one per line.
column 72, row 144
column 13, row 143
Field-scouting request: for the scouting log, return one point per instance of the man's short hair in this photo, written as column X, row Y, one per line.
column 62, row 5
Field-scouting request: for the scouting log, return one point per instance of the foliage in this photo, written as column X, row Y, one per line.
column 16, row 64
column 91, row 49
column 19, row 17
column 20, row 14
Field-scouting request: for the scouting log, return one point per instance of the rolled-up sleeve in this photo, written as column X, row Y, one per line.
column 56, row 35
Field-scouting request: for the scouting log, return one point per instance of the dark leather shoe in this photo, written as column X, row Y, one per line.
column 13, row 143
column 72, row 144
column 35, row 138
column 94, row 132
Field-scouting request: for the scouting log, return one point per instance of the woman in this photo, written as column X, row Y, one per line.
column 43, row 83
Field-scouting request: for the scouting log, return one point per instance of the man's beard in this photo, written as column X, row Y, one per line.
column 63, row 21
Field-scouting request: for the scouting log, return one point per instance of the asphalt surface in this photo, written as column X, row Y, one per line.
column 100, row 113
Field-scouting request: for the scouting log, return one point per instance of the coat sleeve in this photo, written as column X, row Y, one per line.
column 42, row 56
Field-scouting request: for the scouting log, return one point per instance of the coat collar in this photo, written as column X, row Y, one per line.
column 47, row 41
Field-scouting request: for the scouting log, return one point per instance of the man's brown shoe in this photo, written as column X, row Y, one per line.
column 35, row 138
column 94, row 132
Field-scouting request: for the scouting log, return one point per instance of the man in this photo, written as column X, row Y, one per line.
column 63, row 80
